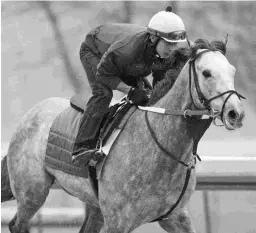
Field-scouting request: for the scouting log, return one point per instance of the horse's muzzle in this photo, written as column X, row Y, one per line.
column 233, row 117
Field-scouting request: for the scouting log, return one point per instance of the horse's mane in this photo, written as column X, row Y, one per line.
column 165, row 75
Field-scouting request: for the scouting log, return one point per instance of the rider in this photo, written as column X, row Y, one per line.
column 116, row 57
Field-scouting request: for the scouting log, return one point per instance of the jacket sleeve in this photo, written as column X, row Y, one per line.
column 109, row 70
column 120, row 54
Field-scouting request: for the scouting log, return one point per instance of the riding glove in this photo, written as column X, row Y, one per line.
column 138, row 96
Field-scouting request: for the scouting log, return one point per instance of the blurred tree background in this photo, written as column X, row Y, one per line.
column 40, row 59
column 41, row 41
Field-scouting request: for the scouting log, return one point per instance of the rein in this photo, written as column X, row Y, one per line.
column 185, row 113
column 165, row 150
column 189, row 166
column 208, row 112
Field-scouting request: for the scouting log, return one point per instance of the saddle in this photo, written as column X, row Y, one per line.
column 111, row 119
column 64, row 130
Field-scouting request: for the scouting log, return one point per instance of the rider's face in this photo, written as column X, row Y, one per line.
column 165, row 48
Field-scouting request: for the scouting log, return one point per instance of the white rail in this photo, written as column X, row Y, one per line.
column 226, row 173
column 56, row 217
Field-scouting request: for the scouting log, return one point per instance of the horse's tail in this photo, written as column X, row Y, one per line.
column 6, row 192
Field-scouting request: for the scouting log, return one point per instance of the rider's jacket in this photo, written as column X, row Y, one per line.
column 126, row 53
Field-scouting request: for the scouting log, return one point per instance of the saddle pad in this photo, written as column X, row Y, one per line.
column 64, row 130
column 60, row 143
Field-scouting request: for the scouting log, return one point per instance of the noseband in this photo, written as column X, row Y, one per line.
column 203, row 100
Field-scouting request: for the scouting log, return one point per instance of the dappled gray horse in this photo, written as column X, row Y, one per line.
column 149, row 169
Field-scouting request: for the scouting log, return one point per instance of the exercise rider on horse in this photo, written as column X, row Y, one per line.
column 115, row 57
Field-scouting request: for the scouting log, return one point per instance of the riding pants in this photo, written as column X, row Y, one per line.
column 97, row 104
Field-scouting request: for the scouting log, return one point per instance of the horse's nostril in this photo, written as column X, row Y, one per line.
column 233, row 115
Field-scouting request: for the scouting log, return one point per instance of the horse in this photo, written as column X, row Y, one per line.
column 149, row 172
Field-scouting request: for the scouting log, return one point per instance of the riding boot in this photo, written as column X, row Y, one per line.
column 84, row 147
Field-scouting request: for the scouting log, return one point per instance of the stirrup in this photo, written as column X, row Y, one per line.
column 85, row 155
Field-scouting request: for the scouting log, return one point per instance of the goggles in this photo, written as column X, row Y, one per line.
column 176, row 36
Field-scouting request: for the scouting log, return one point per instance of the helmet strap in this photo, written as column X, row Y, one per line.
column 189, row 45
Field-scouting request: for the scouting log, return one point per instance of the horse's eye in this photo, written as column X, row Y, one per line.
column 207, row 73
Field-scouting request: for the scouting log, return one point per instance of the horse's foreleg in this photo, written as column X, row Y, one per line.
column 178, row 222
column 93, row 221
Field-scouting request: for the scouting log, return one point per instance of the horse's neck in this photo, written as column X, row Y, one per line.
column 179, row 96
column 174, row 128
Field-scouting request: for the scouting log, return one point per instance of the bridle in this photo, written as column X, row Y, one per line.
column 207, row 111
column 203, row 100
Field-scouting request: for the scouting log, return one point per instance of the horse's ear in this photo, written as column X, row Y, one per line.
column 226, row 40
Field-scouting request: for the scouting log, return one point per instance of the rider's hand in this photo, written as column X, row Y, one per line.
column 138, row 96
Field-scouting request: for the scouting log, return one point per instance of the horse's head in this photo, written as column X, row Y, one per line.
column 213, row 84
